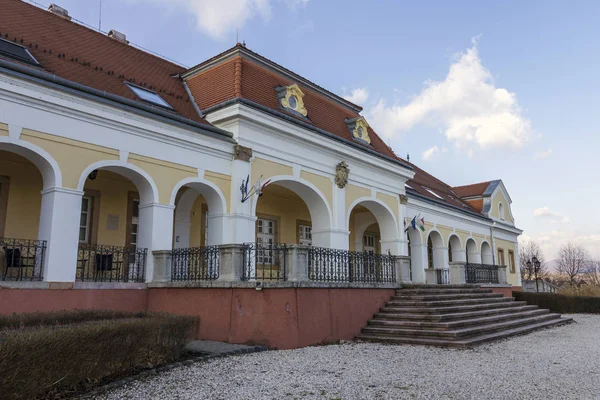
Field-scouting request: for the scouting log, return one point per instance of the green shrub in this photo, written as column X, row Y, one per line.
column 55, row 359
column 62, row 317
column 561, row 303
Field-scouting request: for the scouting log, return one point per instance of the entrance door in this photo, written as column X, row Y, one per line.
column 265, row 239
column 369, row 244
column 305, row 234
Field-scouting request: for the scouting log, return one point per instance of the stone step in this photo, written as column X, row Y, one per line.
column 461, row 323
column 450, row 309
column 453, row 316
column 448, row 303
column 426, row 286
column 459, row 333
column 401, row 292
column 469, row 341
column 437, row 297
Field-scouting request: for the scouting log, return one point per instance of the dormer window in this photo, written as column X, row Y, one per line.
column 290, row 99
column 359, row 129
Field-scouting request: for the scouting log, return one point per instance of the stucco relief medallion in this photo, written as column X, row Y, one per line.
column 341, row 174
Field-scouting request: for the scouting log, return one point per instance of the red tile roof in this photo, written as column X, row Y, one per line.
column 82, row 55
column 475, row 189
column 242, row 77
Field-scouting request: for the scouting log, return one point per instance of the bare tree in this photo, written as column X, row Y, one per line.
column 573, row 261
column 592, row 273
column 528, row 250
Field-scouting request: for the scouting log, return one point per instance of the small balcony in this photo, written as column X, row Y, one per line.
column 22, row 259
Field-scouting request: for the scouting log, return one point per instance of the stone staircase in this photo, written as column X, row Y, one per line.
column 454, row 316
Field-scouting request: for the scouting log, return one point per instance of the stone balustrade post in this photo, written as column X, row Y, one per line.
column 402, row 266
column 502, row 275
column 162, row 266
column 430, row 276
column 457, row 273
column 297, row 263
column 231, row 262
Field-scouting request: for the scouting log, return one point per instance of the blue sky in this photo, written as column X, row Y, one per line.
column 472, row 90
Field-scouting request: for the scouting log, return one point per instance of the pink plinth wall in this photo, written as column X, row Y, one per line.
column 506, row 291
column 283, row 318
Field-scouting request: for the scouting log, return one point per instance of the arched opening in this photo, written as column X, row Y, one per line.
column 116, row 222
column 456, row 253
column 435, row 251
column 373, row 228
column 486, row 253
column 472, row 256
column 501, row 211
column 23, row 238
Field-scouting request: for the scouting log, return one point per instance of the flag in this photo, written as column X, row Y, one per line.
column 422, row 224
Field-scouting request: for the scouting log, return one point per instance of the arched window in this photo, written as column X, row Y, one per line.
column 449, row 252
column 501, row 211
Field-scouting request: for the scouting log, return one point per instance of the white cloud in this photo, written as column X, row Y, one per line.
column 542, row 155
column 550, row 242
column 219, row 17
column 358, row 96
column 467, row 105
column 432, row 151
column 548, row 214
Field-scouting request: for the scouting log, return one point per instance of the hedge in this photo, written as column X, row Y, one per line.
column 49, row 360
column 15, row 321
column 560, row 303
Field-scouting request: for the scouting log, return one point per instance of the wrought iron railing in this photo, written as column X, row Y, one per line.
column 195, row 264
column 332, row 265
column 100, row 263
column 264, row 261
column 442, row 276
column 22, row 259
column 481, row 273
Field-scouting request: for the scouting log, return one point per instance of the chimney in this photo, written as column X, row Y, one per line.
column 118, row 36
column 61, row 12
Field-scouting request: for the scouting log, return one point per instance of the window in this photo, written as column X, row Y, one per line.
column 205, row 226
column 16, row 52
column 135, row 222
column 369, row 244
column 449, row 252
column 305, row 234
column 265, row 239
column 511, row 261
column 293, row 102
column 429, row 253
column 84, row 220
column 434, row 193
column 148, row 95
column 501, row 211
column 501, row 257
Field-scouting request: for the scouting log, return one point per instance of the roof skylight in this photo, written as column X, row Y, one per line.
column 148, row 95
column 434, row 193
column 16, row 52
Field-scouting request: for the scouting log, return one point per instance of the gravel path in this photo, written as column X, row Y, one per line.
column 557, row 363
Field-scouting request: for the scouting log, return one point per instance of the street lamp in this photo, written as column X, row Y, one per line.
column 536, row 269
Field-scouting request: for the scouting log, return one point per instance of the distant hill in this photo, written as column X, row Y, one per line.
column 551, row 265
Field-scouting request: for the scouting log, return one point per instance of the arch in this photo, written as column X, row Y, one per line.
column 217, row 208
column 141, row 179
column 45, row 163
column 456, row 252
column 486, row 253
column 473, row 255
column 435, row 250
column 318, row 206
column 388, row 226
column 360, row 227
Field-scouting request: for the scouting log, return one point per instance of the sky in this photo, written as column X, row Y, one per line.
column 472, row 90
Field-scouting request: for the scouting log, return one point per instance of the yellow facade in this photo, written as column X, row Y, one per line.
column 391, row 201
column 197, row 222
column 268, row 169
column 322, row 183
column 506, row 246
column 354, row 193
column 223, row 182
column 496, row 200
column 24, row 196
column 285, row 207
column 3, row 129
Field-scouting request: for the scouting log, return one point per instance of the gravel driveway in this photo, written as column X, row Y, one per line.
column 558, row 363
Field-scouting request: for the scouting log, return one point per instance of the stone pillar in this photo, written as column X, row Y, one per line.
column 459, row 255
column 155, row 231
column 401, row 228
column 419, row 262
column 59, row 226
column 297, row 263
column 339, row 234
column 475, row 257
column 231, row 262
column 457, row 273
column 430, row 276
column 502, row 275
column 162, row 265
column 402, row 266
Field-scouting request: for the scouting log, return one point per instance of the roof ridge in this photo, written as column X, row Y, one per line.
column 237, row 77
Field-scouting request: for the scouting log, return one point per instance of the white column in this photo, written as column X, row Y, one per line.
column 242, row 224
column 440, row 257
column 339, row 234
column 459, row 255
column 59, row 226
column 418, row 262
column 402, row 214
column 475, row 257
column 155, row 232
column 394, row 246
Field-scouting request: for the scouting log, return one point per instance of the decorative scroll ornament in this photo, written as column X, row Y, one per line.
column 257, row 189
column 341, row 174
